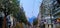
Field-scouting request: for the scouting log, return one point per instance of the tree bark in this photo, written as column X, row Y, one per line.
column 4, row 22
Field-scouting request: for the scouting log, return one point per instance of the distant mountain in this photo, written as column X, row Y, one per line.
column 31, row 19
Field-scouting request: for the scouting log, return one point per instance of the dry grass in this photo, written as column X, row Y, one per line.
column 19, row 25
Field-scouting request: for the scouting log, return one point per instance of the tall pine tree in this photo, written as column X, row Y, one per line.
column 21, row 16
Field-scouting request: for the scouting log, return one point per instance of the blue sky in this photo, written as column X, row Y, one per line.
column 31, row 7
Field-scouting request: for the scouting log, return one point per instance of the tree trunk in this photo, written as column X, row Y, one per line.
column 4, row 22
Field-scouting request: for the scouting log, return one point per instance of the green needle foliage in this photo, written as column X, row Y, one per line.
column 35, row 21
column 9, row 6
column 21, row 16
